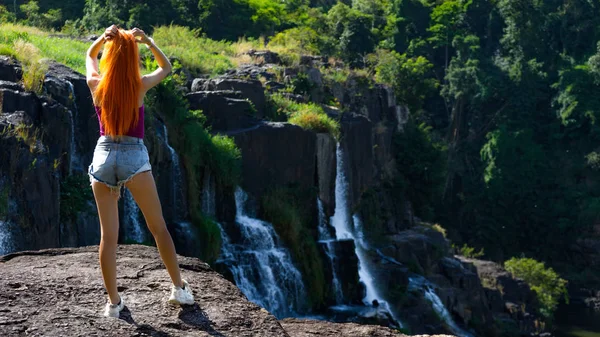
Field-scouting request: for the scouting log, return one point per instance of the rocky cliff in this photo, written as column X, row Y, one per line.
column 59, row 292
column 47, row 141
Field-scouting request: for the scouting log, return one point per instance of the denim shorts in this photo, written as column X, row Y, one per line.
column 117, row 160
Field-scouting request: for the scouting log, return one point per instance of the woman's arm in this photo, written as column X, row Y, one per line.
column 91, row 60
column 164, row 65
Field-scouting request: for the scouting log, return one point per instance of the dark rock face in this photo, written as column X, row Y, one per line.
column 28, row 174
column 224, row 110
column 357, row 146
column 510, row 300
column 79, row 101
column 276, row 154
column 345, row 266
column 71, row 279
column 326, row 171
column 250, row 89
column 10, row 70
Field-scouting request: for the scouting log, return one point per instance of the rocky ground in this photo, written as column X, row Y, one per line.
column 59, row 292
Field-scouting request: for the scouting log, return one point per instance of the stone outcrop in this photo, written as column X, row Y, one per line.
column 276, row 155
column 60, row 292
column 225, row 110
column 308, row 328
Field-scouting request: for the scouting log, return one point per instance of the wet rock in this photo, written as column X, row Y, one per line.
column 70, row 279
column 345, row 266
column 34, row 184
column 357, row 145
column 326, row 171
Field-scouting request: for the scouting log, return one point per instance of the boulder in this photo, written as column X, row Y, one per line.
column 249, row 89
column 266, row 56
column 419, row 249
column 10, row 70
column 70, row 279
column 224, row 110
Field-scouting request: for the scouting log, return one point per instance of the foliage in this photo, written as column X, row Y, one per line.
column 66, row 51
column 199, row 151
column 546, row 283
column 4, row 199
column 34, row 69
column 421, row 167
column 75, row 193
column 309, row 116
column 409, row 77
column 469, row 252
column 292, row 221
column 195, row 52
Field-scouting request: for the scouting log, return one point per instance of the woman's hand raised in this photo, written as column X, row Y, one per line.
column 111, row 32
column 138, row 33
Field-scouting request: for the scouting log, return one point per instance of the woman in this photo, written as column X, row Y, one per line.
column 121, row 158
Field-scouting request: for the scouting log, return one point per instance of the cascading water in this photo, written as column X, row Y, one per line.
column 208, row 195
column 134, row 230
column 325, row 238
column 350, row 227
column 5, row 238
column 177, row 191
column 261, row 267
column 75, row 162
column 419, row 283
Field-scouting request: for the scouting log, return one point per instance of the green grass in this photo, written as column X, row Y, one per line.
column 196, row 53
column 66, row 51
column 308, row 116
column 292, row 223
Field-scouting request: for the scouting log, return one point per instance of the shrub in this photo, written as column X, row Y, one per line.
column 468, row 252
column 34, row 69
column 421, row 163
column 308, row 116
column 545, row 282
column 292, row 222
column 318, row 122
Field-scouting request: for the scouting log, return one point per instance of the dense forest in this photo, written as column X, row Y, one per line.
column 502, row 149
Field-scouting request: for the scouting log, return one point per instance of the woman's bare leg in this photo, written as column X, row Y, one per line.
column 106, row 202
column 143, row 189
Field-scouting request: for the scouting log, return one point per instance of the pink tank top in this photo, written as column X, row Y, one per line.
column 137, row 131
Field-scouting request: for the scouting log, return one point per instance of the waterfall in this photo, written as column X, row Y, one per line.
column 421, row 284
column 350, row 227
column 178, row 199
column 131, row 211
column 208, row 194
column 261, row 267
column 75, row 163
column 325, row 237
column 5, row 238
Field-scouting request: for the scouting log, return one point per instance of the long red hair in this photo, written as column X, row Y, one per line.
column 120, row 85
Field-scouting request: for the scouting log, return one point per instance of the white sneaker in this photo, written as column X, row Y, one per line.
column 181, row 295
column 113, row 310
